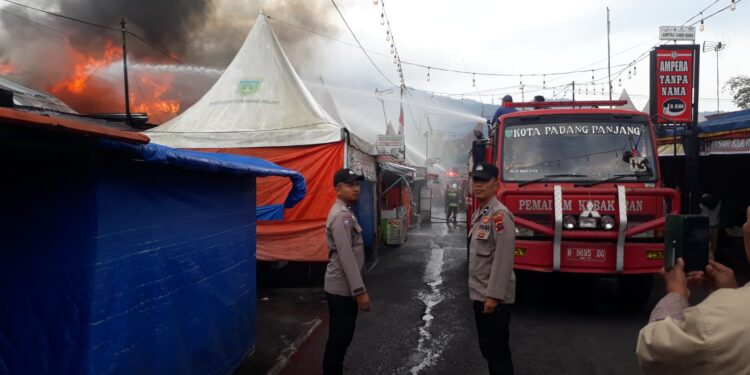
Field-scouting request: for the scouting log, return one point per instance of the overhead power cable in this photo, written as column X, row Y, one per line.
column 405, row 62
column 92, row 24
column 360, row 44
column 33, row 22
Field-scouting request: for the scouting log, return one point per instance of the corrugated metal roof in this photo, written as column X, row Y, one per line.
column 12, row 117
column 26, row 97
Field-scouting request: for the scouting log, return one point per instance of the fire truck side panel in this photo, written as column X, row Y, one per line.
column 584, row 251
column 587, row 257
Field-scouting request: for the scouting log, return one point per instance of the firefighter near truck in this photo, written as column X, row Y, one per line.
column 584, row 186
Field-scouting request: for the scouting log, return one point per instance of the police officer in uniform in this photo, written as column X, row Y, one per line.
column 492, row 283
column 344, row 285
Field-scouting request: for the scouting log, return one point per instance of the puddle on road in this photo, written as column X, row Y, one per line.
column 430, row 347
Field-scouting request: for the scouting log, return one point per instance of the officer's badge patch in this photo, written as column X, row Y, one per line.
column 347, row 219
column 498, row 219
column 482, row 235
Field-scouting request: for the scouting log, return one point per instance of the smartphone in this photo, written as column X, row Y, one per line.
column 686, row 237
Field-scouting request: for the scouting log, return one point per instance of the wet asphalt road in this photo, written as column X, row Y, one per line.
column 422, row 321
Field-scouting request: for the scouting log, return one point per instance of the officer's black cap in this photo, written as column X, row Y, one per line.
column 484, row 172
column 508, row 99
column 346, row 175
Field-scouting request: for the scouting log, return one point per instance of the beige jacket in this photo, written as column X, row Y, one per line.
column 492, row 246
column 712, row 337
column 347, row 253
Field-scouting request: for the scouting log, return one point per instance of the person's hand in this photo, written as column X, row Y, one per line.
column 696, row 278
column 676, row 281
column 720, row 276
column 490, row 304
column 363, row 301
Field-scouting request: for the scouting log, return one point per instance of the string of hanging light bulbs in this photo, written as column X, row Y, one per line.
column 389, row 37
column 631, row 68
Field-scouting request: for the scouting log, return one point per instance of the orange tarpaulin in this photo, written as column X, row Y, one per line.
column 301, row 235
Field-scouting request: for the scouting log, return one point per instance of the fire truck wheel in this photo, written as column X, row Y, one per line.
column 635, row 290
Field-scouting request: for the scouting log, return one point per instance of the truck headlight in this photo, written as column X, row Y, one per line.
column 587, row 222
column 569, row 222
column 524, row 232
column 646, row 234
column 607, row 222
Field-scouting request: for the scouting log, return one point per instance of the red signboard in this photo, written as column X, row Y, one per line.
column 674, row 82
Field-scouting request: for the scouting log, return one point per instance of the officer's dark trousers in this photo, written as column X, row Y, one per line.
column 452, row 212
column 343, row 315
column 494, row 335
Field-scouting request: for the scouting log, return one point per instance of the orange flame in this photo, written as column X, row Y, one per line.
column 149, row 93
column 85, row 67
column 154, row 91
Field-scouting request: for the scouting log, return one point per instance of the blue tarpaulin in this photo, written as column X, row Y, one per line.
column 213, row 162
column 271, row 212
column 365, row 212
column 126, row 259
column 729, row 122
column 738, row 120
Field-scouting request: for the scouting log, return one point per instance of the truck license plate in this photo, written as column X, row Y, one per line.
column 586, row 255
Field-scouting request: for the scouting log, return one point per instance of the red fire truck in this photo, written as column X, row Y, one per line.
column 584, row 186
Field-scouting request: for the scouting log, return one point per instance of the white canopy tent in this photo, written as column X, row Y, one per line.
column 259, row 101
column 260, row 107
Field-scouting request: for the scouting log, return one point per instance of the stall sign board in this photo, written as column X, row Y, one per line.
column 686, row 33
column 674, row 83
column 389, row 144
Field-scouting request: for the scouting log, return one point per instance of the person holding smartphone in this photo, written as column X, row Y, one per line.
column 712, row 337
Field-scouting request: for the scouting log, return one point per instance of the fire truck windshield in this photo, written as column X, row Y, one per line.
column 599, row 150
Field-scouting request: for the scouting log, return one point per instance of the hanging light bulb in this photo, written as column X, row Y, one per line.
column 630, row 74
column 395, row 60
column 703, row 27
column 520, row 83
column 635, row 71
column 733, row 6
column 473, row 80
column 544, row 81
column 620, row 82
column 592, row 76
column 387, row 36
column 587, row 90
column 393, row 49
column 382, row 19
column 428, row 74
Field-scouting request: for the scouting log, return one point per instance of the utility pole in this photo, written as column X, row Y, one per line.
column 125, row 71
column 574, row 90
column 609, row 58
column 715, row 46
